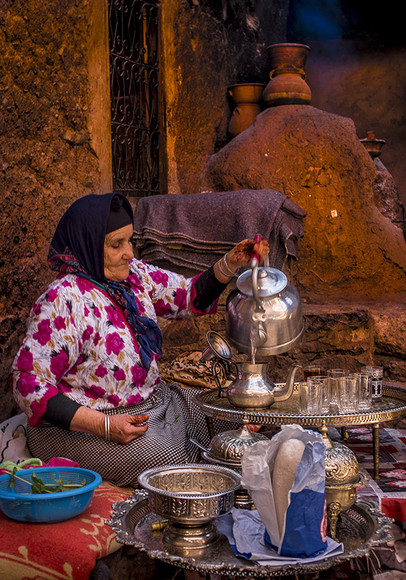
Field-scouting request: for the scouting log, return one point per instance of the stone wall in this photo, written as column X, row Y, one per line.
column 54, row 143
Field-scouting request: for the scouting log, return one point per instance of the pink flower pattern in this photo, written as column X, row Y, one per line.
column 119, row 375
column 79, row 343
column 101, row 371
column 94, row 392
column 180, row 299
column 114, row 317
column 60, row 323
column 59, row 364
column 162, row 308
column 43, row 333
column 52, row 294
column 138, row 375
column 27, row 384
column 114, row 400
column 134, row 400
column 114, row 343
column 160, row 278
column 25, row 360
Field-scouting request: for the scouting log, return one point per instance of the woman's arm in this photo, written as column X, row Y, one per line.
column 49, row 349
column 119, row 428
column 211, row 283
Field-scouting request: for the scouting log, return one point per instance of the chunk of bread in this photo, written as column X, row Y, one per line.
column 286, row 461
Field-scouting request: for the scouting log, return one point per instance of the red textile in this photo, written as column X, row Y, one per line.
column 65, row 550
column 389, row 491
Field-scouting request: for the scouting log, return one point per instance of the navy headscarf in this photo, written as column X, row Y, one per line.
column 78, row 247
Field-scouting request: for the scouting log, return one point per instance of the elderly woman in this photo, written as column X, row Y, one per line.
column 86, row 373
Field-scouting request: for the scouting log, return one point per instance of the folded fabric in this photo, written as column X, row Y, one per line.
column 193, row 231
column 245, row 532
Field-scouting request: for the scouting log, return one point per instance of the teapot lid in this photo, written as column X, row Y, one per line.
column 270, row 281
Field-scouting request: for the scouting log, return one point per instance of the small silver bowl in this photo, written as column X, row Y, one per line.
column 190, row 497
column 191, row 493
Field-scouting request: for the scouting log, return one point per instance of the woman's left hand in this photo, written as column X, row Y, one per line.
column 241, row 254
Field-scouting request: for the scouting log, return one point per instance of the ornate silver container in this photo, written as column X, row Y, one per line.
column 190, row 497
column 342, row 480
column 229, row 446
column 341, row 464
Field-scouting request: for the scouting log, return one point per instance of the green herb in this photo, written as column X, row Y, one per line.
column 38, row 486
column 173, row 422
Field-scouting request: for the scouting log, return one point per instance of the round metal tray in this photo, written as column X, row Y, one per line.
column 360, row 528
column 391, row 406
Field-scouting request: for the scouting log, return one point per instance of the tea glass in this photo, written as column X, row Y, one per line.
column 349, row 394
column 325, row 392
column 364, row 391
column 310, row 397
column 376, row 374
column 336, row 385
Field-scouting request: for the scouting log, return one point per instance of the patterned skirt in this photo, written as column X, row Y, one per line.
column 173, row 420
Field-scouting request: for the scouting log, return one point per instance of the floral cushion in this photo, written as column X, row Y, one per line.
column 65, row 550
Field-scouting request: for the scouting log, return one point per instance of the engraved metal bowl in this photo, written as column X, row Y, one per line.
column 230, row 445
column 341, row 465
column 190, row 494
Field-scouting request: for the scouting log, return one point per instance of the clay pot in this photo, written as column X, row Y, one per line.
column 247, row 98
column 373, row 145
column 287, row 85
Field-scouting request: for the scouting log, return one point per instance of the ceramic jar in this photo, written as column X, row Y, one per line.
column 247, row 99
column 287, row 85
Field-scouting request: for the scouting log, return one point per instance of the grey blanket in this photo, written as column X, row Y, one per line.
column 194, row 231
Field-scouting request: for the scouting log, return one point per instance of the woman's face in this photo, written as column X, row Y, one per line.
column 118, row 250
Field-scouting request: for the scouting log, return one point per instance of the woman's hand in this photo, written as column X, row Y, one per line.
column 241, row 254
column 238, row 257
column 126, row 428
column 123, row 428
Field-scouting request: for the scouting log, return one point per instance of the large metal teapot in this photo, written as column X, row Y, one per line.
column 264, row 314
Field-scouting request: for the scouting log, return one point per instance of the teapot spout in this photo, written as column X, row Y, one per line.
column 285, row 392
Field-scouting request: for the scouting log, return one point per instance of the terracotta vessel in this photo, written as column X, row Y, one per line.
column 247, row 98
column 287, row 85
column 373, row 145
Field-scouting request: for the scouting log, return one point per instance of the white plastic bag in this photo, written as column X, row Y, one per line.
column 304, row 533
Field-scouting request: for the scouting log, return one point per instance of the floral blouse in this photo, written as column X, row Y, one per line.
column 79, row 343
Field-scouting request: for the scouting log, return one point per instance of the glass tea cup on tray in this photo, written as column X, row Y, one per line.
column 364, row 391
column 325, row 392
column 336, row 385
column 310, row 397
column 376, row 374
column 349, row 394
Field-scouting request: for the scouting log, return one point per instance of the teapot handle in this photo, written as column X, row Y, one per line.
column 254, row 265
column 255, row 258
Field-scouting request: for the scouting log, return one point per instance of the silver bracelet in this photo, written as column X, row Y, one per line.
column 222, row 271
column 231, row 273
column 107, row 427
